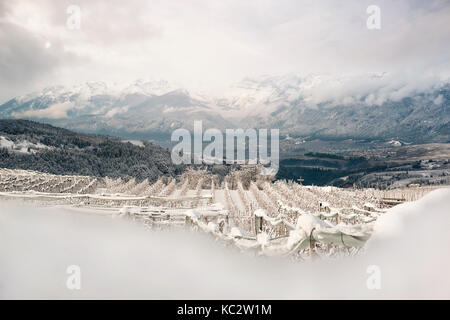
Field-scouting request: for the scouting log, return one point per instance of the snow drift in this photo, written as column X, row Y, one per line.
column 120, row 259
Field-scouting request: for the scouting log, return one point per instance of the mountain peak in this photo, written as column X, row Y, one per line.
column 351, row 105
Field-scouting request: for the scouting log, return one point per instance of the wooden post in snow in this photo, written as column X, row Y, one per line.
column 258, row 224
column 311, row 244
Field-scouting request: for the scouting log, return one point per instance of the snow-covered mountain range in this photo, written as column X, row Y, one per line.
column 374, row 106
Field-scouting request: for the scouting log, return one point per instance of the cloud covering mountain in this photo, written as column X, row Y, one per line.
column 328, row 75
column 209, row 44
column 321, row 106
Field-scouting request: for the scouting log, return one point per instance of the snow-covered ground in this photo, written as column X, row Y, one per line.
column 121, row 259
column 21, row 146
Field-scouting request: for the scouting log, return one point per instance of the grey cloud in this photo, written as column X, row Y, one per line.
column 105, row 22
column 211, row 44
column 25, row 60
column 23, row 56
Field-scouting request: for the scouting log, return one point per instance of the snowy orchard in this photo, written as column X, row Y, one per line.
column 243, row 210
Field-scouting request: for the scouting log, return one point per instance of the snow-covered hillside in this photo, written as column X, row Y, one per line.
column 23, row 146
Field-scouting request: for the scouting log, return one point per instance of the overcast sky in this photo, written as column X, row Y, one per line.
column 208, row 45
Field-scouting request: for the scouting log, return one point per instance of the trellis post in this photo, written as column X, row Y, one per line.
column 258, row 224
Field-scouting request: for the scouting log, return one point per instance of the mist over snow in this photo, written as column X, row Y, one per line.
column 358, row 105
column 120, row 259
column 257, row 96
